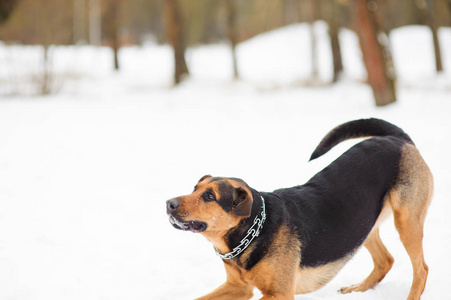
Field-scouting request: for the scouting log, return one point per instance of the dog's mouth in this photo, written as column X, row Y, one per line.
column 194, row 226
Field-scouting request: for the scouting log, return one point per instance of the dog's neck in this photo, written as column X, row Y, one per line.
column 239, row 239
column 217, row 239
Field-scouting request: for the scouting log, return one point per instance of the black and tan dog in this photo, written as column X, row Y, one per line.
column 295, row 240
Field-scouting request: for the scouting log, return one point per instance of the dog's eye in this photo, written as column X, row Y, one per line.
column 209, row 196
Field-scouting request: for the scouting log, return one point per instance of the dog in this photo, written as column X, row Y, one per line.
column 295, row 240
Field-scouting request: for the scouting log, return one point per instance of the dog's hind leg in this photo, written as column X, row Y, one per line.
column 382, row 259
column 411, row 233
column 410, row 199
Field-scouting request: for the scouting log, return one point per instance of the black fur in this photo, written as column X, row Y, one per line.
column 227, row 193
column 277, row 216
column 356, row 129
column 333, row 213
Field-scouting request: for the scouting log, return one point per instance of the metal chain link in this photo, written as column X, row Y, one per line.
column 252, row 233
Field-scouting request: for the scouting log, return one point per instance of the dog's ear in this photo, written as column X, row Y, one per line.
column 204, row 177
column 242, row 203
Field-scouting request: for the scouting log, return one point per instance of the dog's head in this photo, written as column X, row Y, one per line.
column 217, row 204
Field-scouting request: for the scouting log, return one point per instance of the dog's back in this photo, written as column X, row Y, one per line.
column 339, row 206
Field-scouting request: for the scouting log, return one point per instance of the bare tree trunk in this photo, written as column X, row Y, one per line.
column 116, row 53
column 232, row 31
column 46, row 80
column 175, row 35
column 334, row 40
column 112, row 28
column 95, row 24
column 313, row 49
column 6, row 8
column 313, row 42
column 432, row 23
column 78, row 34
column 375, row 54
column 336, row 53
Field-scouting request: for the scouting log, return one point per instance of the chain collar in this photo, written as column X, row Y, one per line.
column 252, row 233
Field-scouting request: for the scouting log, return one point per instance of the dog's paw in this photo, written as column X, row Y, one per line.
column 354, row 288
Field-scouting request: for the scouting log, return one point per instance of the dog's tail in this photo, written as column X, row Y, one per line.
column 356, row 129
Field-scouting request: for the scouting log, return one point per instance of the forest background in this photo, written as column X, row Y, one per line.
column 183, row 23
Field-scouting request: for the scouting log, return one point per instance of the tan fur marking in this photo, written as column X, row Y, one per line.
column 312, row 279
column 274, row 275
column 234, row 288
column 415, row 182
column 246, row 254
column 410, row 199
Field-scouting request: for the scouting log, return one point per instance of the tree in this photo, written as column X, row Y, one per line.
column 95, row 24
column 175, row 35
column 332, row 21
column 111, row 28
column 431, row 20
column 232, row 31
column 6, row 8
column 78, row 34
column 375, row 51
column 48, row 24
column 313, row 16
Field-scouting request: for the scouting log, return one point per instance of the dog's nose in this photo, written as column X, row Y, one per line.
column 172, row 205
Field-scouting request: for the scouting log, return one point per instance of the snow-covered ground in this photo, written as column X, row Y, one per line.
column 84, row 174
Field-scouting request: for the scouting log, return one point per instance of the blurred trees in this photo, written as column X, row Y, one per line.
column 184, row 23
column 111, row 21
column 175, row 29
column 95, row 24
column 143, row 20
column 232, row 31
column 432, row 22
column 6, row 8
column 332, row 17
column 39, row 22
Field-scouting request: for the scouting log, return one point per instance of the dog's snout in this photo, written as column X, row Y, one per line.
column 172, row 205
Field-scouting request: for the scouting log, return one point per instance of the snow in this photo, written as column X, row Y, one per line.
column 84, row 173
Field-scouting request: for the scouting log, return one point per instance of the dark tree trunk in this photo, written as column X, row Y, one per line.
column 112, row 28
column 6, row 8
column 116, row 55
column 232, row 31
column 332, row 21
column 376, row 55
column 432, row 23
column 336, row 54
column 46, row 81
column 175, row 36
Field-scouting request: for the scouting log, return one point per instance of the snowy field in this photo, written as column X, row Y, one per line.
column 85, row 173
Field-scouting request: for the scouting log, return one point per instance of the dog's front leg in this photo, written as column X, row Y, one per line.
column 234, row 288
column 278, row 297
column 229, row 291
